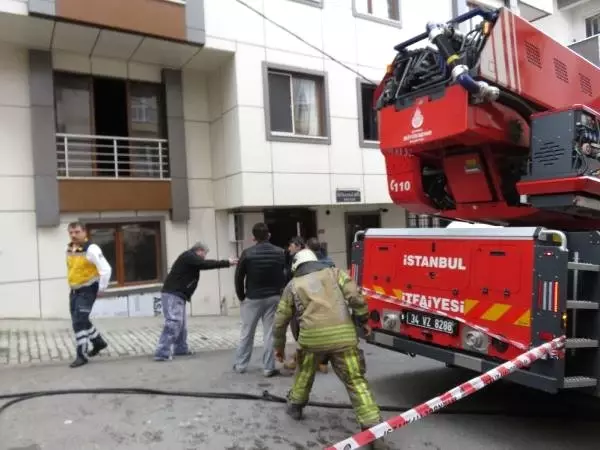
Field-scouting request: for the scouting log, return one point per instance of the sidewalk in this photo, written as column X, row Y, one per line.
column 44, row 341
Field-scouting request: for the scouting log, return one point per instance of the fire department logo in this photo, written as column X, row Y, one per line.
column 417, row 119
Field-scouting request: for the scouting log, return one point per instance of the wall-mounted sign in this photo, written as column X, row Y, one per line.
column 347, row 195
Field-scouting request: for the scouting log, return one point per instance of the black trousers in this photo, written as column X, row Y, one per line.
column 81, row 302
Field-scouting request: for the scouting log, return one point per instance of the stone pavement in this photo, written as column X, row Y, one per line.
column 46, row 341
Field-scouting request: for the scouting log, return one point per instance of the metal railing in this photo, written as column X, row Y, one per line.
column 89, row 156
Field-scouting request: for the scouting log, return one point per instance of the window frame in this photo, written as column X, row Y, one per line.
column 277, row 136
column 381, row 20
column 313, row 3
column 89, row 78
column 362, row 142
column 595, row 17
column 135, row 287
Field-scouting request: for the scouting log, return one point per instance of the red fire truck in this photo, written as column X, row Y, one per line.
column 498, row 125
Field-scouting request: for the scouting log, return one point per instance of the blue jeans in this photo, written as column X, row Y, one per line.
column 175, row 329
column 252, row 311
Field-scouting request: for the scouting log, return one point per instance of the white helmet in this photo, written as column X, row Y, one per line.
column 301, row 257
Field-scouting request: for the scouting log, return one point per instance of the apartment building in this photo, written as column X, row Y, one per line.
column 161, row 122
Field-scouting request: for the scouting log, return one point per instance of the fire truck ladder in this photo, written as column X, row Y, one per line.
column 582, row 362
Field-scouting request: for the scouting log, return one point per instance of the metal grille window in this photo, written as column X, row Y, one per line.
column 592, row 26
column 424, row 221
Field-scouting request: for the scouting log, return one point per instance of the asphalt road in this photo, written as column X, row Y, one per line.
column 142, row 422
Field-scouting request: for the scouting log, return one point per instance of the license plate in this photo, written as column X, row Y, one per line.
column 430, row 322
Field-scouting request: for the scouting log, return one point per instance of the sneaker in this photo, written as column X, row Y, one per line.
column 186, row 353
column 162, row 358
column 235, row 369
column 271, row 373
column 97, row 349
column 78, row 362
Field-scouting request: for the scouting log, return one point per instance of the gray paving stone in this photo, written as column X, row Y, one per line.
column 47, row 341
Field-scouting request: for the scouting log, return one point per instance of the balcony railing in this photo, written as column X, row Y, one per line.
column 87, row 156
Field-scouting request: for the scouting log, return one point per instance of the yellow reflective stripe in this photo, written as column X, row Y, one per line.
column 495, row 312
column 379, row 289
column 524, row 320
column 470, row 304
column 452, row 58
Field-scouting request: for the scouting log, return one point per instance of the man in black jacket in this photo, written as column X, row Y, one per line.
column 259, row 281
column 177, row 290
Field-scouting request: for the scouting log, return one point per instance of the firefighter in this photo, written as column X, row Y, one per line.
column 88, row 273
column 320, row 297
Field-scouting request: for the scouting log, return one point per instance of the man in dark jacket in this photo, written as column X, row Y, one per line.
column 177, row 290
column 259, row 281
column 314, row 245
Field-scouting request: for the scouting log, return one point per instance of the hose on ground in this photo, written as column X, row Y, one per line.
column 266, row 396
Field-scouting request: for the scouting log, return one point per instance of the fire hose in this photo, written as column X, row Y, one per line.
column 408, row 416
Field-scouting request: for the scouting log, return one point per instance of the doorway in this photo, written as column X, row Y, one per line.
column 285, row 223
column 110, row 119
column 357, row 222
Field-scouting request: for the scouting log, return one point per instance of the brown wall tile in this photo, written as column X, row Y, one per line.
column 152, row 17
column 114, row 195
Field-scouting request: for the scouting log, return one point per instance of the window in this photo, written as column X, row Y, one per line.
column 379, row 9
column 425, row 221
column 368, row 115
column 109, row 127
column 296, row 105
column 592, row 26
column 132, row 249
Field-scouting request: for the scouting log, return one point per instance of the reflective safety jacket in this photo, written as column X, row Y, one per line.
column 320, row 297
column 86, row 265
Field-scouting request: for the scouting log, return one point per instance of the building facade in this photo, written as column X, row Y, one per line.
column 163, row 122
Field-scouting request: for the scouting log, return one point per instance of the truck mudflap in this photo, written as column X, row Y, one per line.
column 408, row 346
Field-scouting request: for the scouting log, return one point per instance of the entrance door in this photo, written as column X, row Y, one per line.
column 357, row 222
column 285, row 223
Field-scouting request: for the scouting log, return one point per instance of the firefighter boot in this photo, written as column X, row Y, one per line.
column 294, row 411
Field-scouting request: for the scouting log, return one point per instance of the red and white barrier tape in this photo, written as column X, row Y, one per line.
column 410, row 305
column 458, row 393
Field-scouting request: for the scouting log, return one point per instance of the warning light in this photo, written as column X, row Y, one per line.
column 564, row 321
column 486, row 28
column 548, row 254
column 389, row 69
